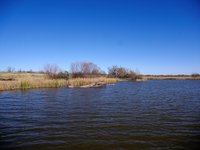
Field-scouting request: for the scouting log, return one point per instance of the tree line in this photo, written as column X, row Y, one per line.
column 85, row 70
column 91, row 70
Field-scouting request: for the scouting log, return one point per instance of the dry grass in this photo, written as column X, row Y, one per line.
column 28, row 81
column 77, row 82
column 169, row 77
column 13, row 81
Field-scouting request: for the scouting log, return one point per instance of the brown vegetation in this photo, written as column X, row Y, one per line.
column 51, row 70
column 85, row 70
column 28, row 81
column 195, row 75
column 83, row 74
column 24, row 81
column 54, row 72
column 91, row 82
column 170, row 77
column 123, row 73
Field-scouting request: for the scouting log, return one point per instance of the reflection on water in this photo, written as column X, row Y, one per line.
column 128, row 115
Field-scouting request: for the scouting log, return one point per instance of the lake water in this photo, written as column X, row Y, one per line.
column 144, row 115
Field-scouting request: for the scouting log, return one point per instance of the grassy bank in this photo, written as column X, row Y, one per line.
column 78, row 82
column 12, row 81
column 170, row 77
column 22, row 81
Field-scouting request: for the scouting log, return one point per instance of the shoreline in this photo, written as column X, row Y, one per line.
column 52, row 85
column 25, row 81
column 169, row 77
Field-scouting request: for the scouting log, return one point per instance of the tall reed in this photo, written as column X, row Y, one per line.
column 77, row 82
column 35, row 80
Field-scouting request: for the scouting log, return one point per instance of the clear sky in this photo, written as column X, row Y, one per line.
column 153, row 36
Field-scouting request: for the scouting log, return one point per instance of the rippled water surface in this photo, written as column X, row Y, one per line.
column 127, row 115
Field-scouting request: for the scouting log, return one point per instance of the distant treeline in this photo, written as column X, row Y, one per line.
column 178, row 75
column 90, row 70
column 84, row 70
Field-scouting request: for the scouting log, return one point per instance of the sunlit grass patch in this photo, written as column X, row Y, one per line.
column 78, row 82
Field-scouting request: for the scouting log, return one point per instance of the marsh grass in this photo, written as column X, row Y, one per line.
column 29, row 84
column 23, row 81
column 77, row 82
column 169, row 77
column 24, row 85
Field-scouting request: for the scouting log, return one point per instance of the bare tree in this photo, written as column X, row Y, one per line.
column 112, row 71
column 76, row 70
column 10, row 69
column 51, row 70
column 121, row 72
column 85, row 69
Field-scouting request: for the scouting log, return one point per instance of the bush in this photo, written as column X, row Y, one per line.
column 195, row 75
column 124, row 73
column 62, row 75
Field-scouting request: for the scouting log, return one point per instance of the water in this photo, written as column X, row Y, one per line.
column 146, row 115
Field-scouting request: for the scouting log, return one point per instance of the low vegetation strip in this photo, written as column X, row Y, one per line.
column 91, row 82
column 81, row 74
column 24, row 81
column 170, row 77
column 30, row 84
column 28, row 81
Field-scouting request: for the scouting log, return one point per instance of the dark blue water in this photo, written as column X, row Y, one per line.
column 147, row 115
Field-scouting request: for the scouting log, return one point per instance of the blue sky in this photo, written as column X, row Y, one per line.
column 153, row 36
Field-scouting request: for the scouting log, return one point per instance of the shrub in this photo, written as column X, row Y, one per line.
column 124, row 73
column 62, row 75
column 195, row 75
